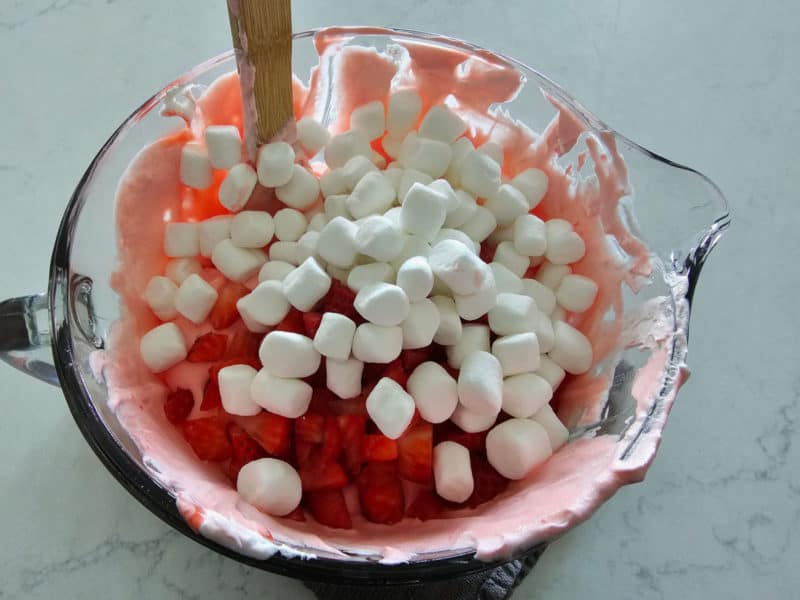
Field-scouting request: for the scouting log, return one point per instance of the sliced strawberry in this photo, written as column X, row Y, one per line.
column 211, row 397
column 427, row 505
column 351, row 406
column 449, row 432
column 245, row 449
column 272, row 432
column 415, row 453
column 208, row 438
column 339, row 299
column 394, row 370
column 310, row 428
column 328, row 507
column 488, row 482
column 178, row 405
column 311, row 321
column 487, row 252
column 296, row 515
column 243, row 347
column 332, row 443
column 292, row 322
column 302, row 452
column 351, row 429
column 224, row 314
column 317, row 474
column 380, row 493
column 321, row 400
column 209, row 347
column 411, row 359
column 371, row 374
column 378, row 447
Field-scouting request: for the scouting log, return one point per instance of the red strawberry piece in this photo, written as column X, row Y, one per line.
column 351, row 429
column 245, row 449
column 211, row 397
column 318, row 474
column 332, row 443
column 379, row 448
column 272, row 432
column 311, row 321
column 208, row 348
column 377, row 146
column 427, row 505
column 449, row 432
column 296, row 515
column 394, row 370
column 208, row 438
column 310, row 428
column 321, row 401
column 488, row 482
column 178, row 405
column 380, row 493
column 415, row 453
column 292, row 322
column 411, row 359
column 243, row 347
column 371, row 374
column 339, row 299
column 328, row 507
column 302, row 451
column 351, row 406
column 487, row 252
column 224, row 314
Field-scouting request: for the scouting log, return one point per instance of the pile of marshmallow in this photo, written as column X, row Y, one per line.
column 406, row 237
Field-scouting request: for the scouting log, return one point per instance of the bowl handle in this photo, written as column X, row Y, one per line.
column 25, row 336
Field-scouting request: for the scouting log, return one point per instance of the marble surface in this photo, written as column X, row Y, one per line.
column 706, row 83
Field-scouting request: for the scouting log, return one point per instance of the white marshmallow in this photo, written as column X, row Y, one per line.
column 271, row 485
column 236, row 188
column 517, row 353
column 480, row 383
column 458, row 236
column 463, row 211
column 507, row 255
column 407, row 179
column 556, row 432
column 441, row 123
column 265, row 306
column 544, row 332
column 505, row 281
column 513, row 313
column 394, row 175
column 372, row 195
column 162, row 347
column 413, row 246
column 461, row 147
column 434, row 390
column 337, row 273
column 369, row 120
column 376, row 344
column 443, row 187
column 390, row 408
column 343, row 377
column 252, row 229
column 337, row 242
column 234, row 390
column 224, row 145
column 336, row 206
column 237, row 264
column 550, row 274
column 558, row 314
column 212, row 231
column 312, row 135
column 275, row 164
column 571, row 350
column 355, row 169
column 507, row 204
column 307, row 247
column 195, row 169
column 393, row 214
column 317, row 222
column 564, row 247
column 301, row 191
column 551, row 372
column 458, row 267
column 470, row 421
column 341, row 148
column 287, row 354
column 524, row 394
column 423, row 211
column 543, row 296
column 364, row 275
column 306, row 285
column 493, row 150
column 530, row 235
column 421, row 325
column 415, row 278
column 480, row 175
column 180, row 239
column 160, row 297
column 286, row 397
column 178, row 269
column 474, row 306
column 502, row 234
column 532, row 183
column 284, row 252
column 480, row 225
column 452, row 472
column 429, row 156
column 195, row 298
column 382, row 304
column 378, row 160
column 391, row 145
column 379, row 238
column 290, row 224
column 334, row 183
column 450, row 328
column 334, row 338
column 576, row 293
column 557, row 226
column 516, row 446
column 403, row 112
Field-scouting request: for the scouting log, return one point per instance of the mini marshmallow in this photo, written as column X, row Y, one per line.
column 394, row 175
column 178, row 269
column 458, row 267
column 378, row 160
column 195, row 298
column 507, row 204
column 301, row 191
column 550, row 372
column 181, row 239
column 413, row 246
column 391, row 145
column 382, row 304
column 506, row 282
column 493, row 150
column 337, row 242
column 421, row 324
column 271, row 485
column 474, row 306
column 558, row 314
column 376, row 344
column 265, row 306
column 576, row 293
column 288, row 398
column 452, row 472
column 507, row 255
column 212, row 231
column 372, row 195
column 472, row 422
column 252, row 229
column 224, row 145
column 544, row 332
column 441, row 123
column 517, row 353
column 563, row 247
column 502, row 234
column 434, row 390
column 480, row 383
column 480, row 175
column 284, row 252
column 513, row 313
column 160, row 297
column 236, row 188
column 355, row 169
column 343, row 377
column 532, row 183
column 195, row 169
column 443, row 187
column 333, row 183
column 290, row 224
column 530, row 235
column 415, row 278
column 571, row 350
column 341, row 148
column 234, row 390
column 275, row 164
column 334, row 338
column 429, row 156
column 237, row 264
column 393, row 214
column 463, row 210
column 312, row 135
column 450, row 328
column 287, row 354
column 379, row 238
column 390, row 408
column 317, row 222
column 516, row 446
column 368, row 119
column 461, row 147
column 458, row 236
column 408, row 178
column 556, row 432
column 423, row 211
column 403, row 112
column 543, row 296
column 336, row 206
column 480, row 225
column 162, row 347
column 337, row 273
column 307, row 247
column 364, row 275
column 306, row 285
column 524, row 394
column 550, row 275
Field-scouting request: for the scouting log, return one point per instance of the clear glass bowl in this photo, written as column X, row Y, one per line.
column 677, row 212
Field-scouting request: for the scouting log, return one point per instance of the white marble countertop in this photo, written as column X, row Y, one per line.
column 711, row 84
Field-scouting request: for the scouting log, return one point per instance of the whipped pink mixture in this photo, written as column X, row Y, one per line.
column 569, row 486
